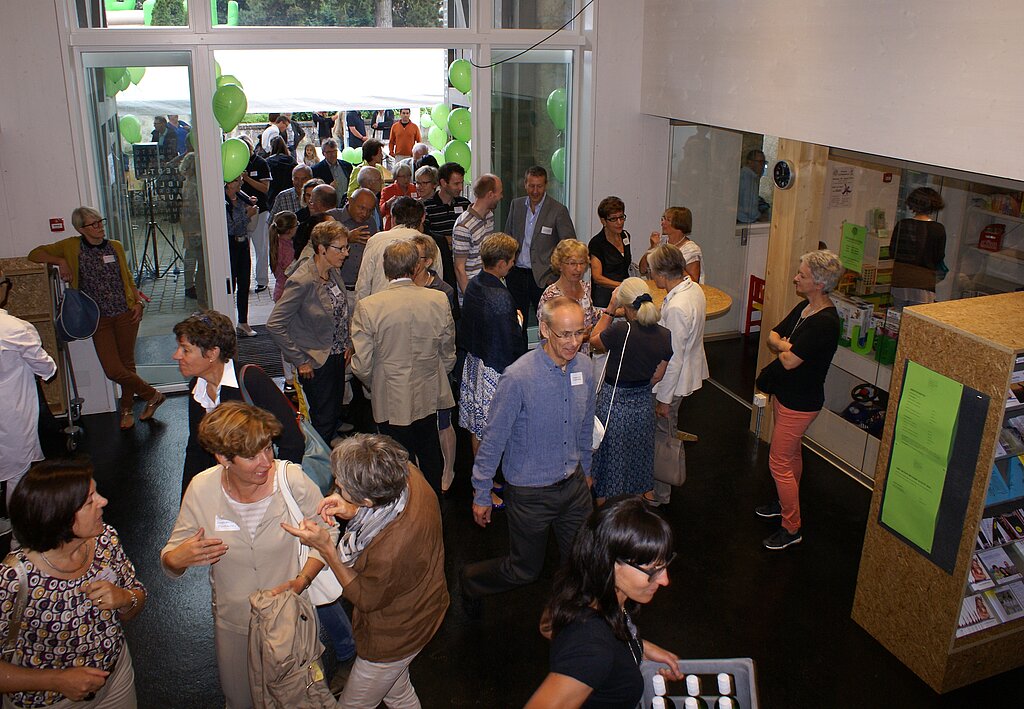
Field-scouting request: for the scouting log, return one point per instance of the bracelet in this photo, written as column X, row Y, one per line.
column 134, row 603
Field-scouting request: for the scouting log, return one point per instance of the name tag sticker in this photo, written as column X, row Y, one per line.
column 253, row 173
column 545, row 230
column 225, row 525
column 335, row 290
column 625, row 241
column 109, row 258
column 576, row 378
column 458, row 210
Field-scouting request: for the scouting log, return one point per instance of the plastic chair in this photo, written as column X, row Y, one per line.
column 755, row 302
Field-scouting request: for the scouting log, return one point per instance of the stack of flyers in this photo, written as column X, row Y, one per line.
column 1007, row 601
column 998, row 565
column 975, row 615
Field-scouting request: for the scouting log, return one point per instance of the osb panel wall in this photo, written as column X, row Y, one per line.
column 907, row 603
column 30, row 301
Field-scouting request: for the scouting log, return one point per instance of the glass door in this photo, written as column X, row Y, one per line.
column 704, row 177
column 147, row 184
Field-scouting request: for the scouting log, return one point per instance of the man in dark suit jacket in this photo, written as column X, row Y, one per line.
column 331, row 168
column 548, row 221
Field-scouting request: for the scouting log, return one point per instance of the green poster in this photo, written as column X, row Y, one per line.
column 851, row 250
column 921, row 447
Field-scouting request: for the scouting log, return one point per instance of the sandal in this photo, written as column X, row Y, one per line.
column 151, row 406
column 127, row 419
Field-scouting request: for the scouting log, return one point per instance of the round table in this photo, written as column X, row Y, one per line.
column 718, row 300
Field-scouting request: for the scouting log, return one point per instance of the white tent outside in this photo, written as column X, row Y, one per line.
column 304, row 80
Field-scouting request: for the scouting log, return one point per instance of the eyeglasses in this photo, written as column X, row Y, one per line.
column 574, row 263
column 577, row 335
column 341, row 493
column 341, row 249
column 653, row 573
column 616, row 218
column 90, row 225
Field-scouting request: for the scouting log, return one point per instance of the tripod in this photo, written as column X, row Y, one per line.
column 152, row 267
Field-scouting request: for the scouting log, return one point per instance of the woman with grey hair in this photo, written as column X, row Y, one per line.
column 805, row 342
column 96, row 265
column 401, row 187
column 390, row 561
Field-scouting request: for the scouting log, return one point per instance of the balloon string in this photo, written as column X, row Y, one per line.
column 528, row 49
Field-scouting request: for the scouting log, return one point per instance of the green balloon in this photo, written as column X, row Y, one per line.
column 459, row 125
column 191, row 137
column 440, row 116
column 437, row 137
column 110, row 83
column 131, row 129
column 460, row 73
column 234, row 156
column 353, row 156
column 228, row 79
column 558, row 165
column 457, row 151
column 216, row 68
column 556, row 108
column 136, row 73
column 426, row 121
column 124, row 80
column 229, row 106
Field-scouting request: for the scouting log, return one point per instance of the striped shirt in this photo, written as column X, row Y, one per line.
column 250, row 513
column 467, row 235
column 440, row 216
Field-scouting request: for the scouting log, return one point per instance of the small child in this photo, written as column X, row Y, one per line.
column 282, row 251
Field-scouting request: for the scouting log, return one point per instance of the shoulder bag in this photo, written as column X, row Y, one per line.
column 325, row 588
column 601, row 428
column 18, row 614
column 316, row 459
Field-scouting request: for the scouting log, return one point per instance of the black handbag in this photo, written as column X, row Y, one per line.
column 768, row 380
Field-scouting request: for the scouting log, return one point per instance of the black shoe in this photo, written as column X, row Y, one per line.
column 782, row 539
column 772, row 509
column 260, row 289
column 190, row 293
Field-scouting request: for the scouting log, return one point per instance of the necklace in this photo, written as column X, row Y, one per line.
column 634, row 642
column 60, row 570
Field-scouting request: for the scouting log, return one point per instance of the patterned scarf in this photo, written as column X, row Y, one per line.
column 367, row 524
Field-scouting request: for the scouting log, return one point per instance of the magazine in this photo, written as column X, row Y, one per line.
column 975, row 615
column 978, row 578
column 1007, row 601
column 998, row 565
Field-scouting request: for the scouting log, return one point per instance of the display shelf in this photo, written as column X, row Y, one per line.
column 980, row 271
column 905, row 600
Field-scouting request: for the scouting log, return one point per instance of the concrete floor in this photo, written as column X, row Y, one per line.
column 789, row 611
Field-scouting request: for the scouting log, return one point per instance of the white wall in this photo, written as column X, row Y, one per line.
column 38, row 175
column 933, row 81
column 630, row 149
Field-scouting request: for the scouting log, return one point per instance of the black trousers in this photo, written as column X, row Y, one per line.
column 525, row 292
column 325, row 391
column 420, row 439
column 532, row 511
column 241, row 274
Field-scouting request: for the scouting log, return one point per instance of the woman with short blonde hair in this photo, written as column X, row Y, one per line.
column 570, row 260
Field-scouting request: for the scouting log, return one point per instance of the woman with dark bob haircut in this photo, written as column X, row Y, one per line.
column 205, row 355
column 79, row 583
column 619, row 559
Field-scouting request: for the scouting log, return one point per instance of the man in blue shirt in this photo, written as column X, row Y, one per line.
column 751, row 208
column 540, row 428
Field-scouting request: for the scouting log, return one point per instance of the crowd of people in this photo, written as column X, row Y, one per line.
column 412, row 293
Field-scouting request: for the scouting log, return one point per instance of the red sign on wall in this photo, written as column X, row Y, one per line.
column 56, row 225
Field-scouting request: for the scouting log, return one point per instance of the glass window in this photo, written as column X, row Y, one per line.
column 342, row 13
column 532, row 14
column 530, row 120
column 148, row 187
column 132, row 14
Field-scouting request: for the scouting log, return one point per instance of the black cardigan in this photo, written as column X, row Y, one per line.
column 290, row 444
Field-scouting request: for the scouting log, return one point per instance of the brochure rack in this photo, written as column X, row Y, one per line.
column 904, row 598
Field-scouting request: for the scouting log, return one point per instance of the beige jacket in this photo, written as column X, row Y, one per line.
column 404, row 346
column 371, row 269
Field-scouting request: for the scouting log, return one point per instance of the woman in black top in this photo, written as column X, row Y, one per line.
column 805, row 342
column 280, row 162
column 918, row 248
column 205, row 355
column 619, row 559
column 609, row 251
